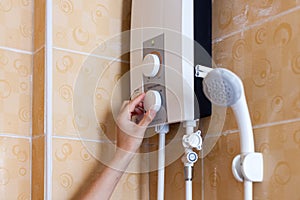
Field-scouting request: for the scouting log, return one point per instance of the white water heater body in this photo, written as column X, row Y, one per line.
column 163, row 31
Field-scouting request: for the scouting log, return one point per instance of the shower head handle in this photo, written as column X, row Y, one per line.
column 242, row 115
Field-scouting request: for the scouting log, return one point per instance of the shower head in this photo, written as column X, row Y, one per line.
column 224, row 88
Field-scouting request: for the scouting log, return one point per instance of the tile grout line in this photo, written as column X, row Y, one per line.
column 276, row 123
column 90, row 54
column 38, row 49
column 62, row 49
column 16, row 50
column 81, row 139
column 38, row 136
column 223, row 133
column 259, row 126
column 219, row 39
column 9, row 135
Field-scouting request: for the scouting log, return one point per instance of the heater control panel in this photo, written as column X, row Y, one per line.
column 154, row 74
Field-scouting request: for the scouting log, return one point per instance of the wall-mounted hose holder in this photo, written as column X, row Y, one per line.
column 248, row 167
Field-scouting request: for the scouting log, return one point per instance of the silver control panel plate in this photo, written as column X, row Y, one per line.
column 157, row 83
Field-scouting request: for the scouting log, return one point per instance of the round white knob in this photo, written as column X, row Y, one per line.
column 151, row 64
column 152, row 100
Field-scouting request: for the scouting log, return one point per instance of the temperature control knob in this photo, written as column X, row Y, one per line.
column 152, row 100
column 151, row 64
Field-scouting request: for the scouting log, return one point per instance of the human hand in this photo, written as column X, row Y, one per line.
column 129, row 134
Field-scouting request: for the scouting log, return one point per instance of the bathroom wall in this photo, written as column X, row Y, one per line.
column 255, row 39
column 16, row 55
column 258, row 40
column 90, row 53
column 88, row 62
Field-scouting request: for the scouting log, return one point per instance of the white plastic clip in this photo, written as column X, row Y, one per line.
column 193, row 140
column 202, row 71
column 248, row 167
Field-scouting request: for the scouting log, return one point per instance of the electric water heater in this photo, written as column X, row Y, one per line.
column 169, row 40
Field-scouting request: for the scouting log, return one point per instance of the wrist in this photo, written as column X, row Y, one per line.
column 128, row 148
column 121, row 159
column 127, row 142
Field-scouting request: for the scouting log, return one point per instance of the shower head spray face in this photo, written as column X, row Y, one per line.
column 222, row 87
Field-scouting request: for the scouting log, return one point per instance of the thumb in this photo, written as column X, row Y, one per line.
column 148, row 117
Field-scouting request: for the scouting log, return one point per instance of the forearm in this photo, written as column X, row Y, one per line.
column 129, row 138
column 105, row 184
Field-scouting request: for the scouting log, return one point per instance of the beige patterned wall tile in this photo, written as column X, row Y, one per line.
column 266, row 59
column 65, row 69
column 265, row 56
column 39, row 23
column 15, row 169
column 280, row 147
column 83, row 90
column 235, row 15
column 87, row 25
column 16, row 19
column 70, row 181
column 38, row 93
column 15, row 93
column 38, row 160
column 219, row 182
column 131, row 186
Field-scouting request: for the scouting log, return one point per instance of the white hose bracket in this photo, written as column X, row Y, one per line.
column 193, row 140
column 248, row 167
column 162, row 129
column 202, row 71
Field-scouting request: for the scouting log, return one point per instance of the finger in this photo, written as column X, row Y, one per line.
column 136, row 101
column 148, row 117
column 125, row 103
column 138, row 111
column 123, row 108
